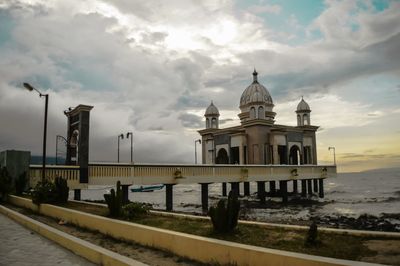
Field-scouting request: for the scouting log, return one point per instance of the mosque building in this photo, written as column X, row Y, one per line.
column 258, row 140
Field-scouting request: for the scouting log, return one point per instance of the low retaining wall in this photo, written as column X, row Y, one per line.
column 194, row 247
column 80, row 247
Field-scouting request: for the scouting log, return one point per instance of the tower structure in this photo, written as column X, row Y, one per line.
column 303, row 113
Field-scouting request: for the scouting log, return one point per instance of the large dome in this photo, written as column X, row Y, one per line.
column 255, row 93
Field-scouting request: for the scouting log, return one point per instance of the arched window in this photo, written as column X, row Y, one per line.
column 207, row 123
column 305, row 120
column 298, row 120
column 261, row 112
column 252, row 112
column 213, row 122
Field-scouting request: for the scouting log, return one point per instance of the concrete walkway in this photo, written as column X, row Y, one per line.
column 20, row 246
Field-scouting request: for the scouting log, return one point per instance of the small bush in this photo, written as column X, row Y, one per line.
column 20, row 184
column 312, row 235
column 114, row 201
column 61, row 190
column 225, row 215
column 5, row 184
column 135, row 209
column 44, row 192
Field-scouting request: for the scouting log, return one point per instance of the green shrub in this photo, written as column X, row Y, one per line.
column 20, row 184
column 312, row 235
column 225, row 215
column 114, row 201
column 135, row 209
column 5, row 184
column 61, row 190
column 49, row 192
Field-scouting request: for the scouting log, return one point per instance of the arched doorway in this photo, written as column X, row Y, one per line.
column 294, row 155
column 222, row 157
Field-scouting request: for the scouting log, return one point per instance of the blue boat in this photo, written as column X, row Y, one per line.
column 147, row 188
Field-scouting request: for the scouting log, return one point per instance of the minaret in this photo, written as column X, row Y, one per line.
column 212, row 116
column 303, row 113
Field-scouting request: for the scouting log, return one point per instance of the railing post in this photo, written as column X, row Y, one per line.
column 283, row 190
column 125, row 194
column 295, row 189
column 315, row 184
column 272, row 188
column 169, row 196
column 309, row 187
column 224, row 189
column 77, row 194
column 235, row 187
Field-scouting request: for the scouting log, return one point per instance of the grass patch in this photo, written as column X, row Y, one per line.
column 331, row 244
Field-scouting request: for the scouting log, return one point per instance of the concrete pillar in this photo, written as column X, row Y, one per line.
column 235, row 187
column 261, row 191
column 77, row 194
column 309, row 186
column 283, row 189
column 204, row 196
column 246, row 188
column 303, row 188
column 125, row 194
column 272, row 188
column 315, row 185
column 224, row 189
column 321, row 187
column 295, row 189
column 168, row 196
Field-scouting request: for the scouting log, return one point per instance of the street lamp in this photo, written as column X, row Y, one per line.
column 195, row 150
column 334, row 154
column 66, row 144
column 46, row 96
column 127, row 136
column 121, row 136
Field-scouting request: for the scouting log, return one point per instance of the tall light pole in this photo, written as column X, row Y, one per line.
column 195, row 150
column 66, row 144
column 46, row 96
column 121, row 136
column 334, row 154
column 127, row 136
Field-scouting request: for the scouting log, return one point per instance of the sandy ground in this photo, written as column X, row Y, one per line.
column 387, row 251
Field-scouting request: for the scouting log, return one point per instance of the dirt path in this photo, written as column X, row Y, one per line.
column 144, row 254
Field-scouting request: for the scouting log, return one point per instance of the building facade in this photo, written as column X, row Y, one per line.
column 258, row 140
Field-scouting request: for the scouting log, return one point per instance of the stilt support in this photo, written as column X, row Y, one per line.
column 204, row 197
column 303, row 188
column 125, row 194
column 235, row 187
column 168, row 196
column 309, row 186
column 283, row 190
column 295, row 189
column 77, row 194
column 246, row 188
column 321, row 187
column 315, row 185
column 224, row 189
column 272, row 188
column 261, row 191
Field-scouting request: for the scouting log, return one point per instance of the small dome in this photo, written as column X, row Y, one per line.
column 212, row 110
column 303, row 106
column 255, row 93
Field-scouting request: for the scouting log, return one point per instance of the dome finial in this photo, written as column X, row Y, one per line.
column 255, row 75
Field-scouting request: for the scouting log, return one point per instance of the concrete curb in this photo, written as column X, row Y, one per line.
column 287, row 226
column 78, row 246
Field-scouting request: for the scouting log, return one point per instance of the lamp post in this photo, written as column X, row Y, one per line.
column 334, row 154
column 66, row 144
column 46, row 96
column 121, row 136
column 195, row 150
column 127, row 136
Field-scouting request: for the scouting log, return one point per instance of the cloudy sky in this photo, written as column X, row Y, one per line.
column 152, row 67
